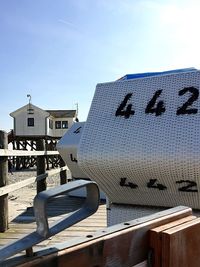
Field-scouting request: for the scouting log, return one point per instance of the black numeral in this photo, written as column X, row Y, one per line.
column 190, row 186
column 153, row 184
column 160, row 107
column 77, row 130
column 73, row 159
column 184, row 108
column 129, row 184
column 125, row 112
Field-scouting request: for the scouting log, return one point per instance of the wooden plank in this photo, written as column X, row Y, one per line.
column 86, row 224
column 155, row 238
column 141, row 264
column 13, row 187
column 75, row 228
column 19, row 230
column 180, row 245
column 126, row 246
column 10, row 153
column 65, row 234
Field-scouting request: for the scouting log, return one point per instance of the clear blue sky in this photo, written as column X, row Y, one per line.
column 58, row 51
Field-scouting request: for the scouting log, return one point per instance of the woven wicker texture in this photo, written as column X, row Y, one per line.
column 153, row 157
column 67, row 147
column 122, row 213
column 119, row 213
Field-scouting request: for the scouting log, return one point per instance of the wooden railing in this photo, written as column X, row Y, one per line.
column 40, row 179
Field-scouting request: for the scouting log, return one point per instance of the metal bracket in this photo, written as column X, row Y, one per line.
column 43, row 229
column 40, row 202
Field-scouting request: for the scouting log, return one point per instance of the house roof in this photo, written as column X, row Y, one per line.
column 27, row 107
column 54, row 113
column 62, row 113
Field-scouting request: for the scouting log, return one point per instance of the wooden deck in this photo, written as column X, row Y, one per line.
column 25, row 223
column 151, row 240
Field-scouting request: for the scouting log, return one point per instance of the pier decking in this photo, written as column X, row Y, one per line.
column 25, row 223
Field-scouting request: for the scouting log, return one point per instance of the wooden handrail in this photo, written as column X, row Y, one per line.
column 40, row 153
column 13, row 187
column 10, row 153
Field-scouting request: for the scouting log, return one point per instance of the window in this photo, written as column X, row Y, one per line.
column 50, row 124
column 64, row 124
column 61, row 124
column 58, row 124
column 30, row 122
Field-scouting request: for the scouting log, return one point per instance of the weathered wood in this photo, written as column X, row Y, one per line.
column 3, row 182
column 25, row 154
column 13, row 187
column 41, row 185
column 9, row 153
column 117, row 246
column 155, row 238
column 63, row 174
column 29, row 252
column 47, row 158
column 18, row 230
column 180, row 245
column 142, row 264
column 17, row 159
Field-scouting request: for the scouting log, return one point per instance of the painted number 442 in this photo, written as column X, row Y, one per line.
column 157, row 106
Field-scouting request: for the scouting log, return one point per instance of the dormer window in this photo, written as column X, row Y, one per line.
column 30, row 122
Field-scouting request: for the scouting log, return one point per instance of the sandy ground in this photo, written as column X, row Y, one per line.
column 19, row 200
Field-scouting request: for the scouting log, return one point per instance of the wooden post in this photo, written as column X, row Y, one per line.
column 63, row 174
column 41, row 185
column 47, row 158
column 3, row 182
column 18, row 158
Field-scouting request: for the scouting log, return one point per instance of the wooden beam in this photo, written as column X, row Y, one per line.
column 41, row 168
column 3, row 182
column 63, row 174
column 122, row 245
column 10, row 153
column 155, row 238
column 180, row 245
column 13, row 187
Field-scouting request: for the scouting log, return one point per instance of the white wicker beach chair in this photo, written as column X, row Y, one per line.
column 141, row 143
column 68, row 146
